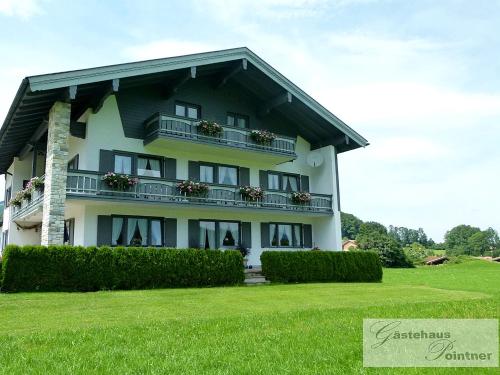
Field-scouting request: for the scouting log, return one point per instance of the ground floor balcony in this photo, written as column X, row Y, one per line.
column 166, row 131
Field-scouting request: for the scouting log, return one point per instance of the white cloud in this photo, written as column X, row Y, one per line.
column 165, row 48
column 24, row 9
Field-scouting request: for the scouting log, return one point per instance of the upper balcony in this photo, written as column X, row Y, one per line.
column 166, row 131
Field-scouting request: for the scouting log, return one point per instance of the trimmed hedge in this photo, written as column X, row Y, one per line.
column 73, row 268
column 321, row 266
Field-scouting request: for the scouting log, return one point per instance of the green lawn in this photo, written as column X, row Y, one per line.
column 275, row 329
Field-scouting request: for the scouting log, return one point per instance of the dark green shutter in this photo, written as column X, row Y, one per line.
column 244, row 177
column 264, row 183
column 246, row 235
column 106, row 161
column 170, row 168
column 194, row 170
column 304, row 183
column 170, row 232
column 194, row 234
column 104, row 230
column 308, row 240
column 264, row 235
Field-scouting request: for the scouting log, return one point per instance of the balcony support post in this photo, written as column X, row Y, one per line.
column 54, row 198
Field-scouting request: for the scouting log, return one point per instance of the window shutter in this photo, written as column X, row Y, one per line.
column 170, row 168
column 244, row 176
column 246, row 235
column 194, row 234
column 263, row 180
column 170, row 232
column 104, row 230
column 304, row 183
column 106, row 161
column 308, row 241
column 194, row 170
column 264, row 235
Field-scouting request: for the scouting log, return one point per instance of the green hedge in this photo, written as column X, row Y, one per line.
column 70, row 268
column 321, row 266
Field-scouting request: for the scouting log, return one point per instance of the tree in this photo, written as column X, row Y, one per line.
column 458, row 237
column 483, row 243
column 406, row 236
column 350, row 225
column 373, row 236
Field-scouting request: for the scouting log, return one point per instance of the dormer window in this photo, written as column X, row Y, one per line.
column 191, row 111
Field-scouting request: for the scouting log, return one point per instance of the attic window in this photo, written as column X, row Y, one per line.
column 188, row 110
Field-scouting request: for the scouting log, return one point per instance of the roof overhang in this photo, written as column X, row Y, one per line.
column 36, row 95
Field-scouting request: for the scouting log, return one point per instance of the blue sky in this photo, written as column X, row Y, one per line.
column 418, row 79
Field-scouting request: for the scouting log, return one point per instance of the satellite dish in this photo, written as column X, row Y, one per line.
column 315, row 159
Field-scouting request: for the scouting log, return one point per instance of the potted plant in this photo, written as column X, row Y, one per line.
column 117, row 181
column 251, row 194
column 244, row 253
column 210, row 128
column 300, row 197
column 26, row 194
column 263, row 137
column 191, row 188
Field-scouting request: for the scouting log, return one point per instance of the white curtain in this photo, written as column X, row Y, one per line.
column 273, row 231
column 227, row 176
column 290, row 183
column 228, row 235
column 285, row 233
column 123, row 164
column 207, row 235
column 206, row 174
column 117, row 231
column 148, row 167
column 273, row 181
column 143, row 227
column 156, row 233
column 297, row 235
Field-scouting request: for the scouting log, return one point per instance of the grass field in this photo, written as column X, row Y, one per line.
column 275, row 329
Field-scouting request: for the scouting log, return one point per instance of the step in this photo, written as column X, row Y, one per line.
column 249, row 275
column 256, row 280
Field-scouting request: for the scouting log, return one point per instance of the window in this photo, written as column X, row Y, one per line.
column 207, row 174
column 191, row 111
column 73, row 163
column 220, row 174
column 4, row 239
column 123, row 164
column 237, row 120
column 136, row 231
column 8, row 196
column 285, row 235
column 69, row 231
column 150, row 167
column 290, row 182
column 219, row 234
column 273, row 181
column 228, row 175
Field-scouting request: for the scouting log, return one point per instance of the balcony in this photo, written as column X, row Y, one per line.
column 168, row 131
column 86, row 184
column 30, row 211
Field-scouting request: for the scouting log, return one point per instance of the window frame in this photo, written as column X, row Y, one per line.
column 216, row 167
column 217, row 232
column 7, row 195
column 149, row 219
column 292, row 225
column 71, row 231
column 187, row 105
column 237, row 116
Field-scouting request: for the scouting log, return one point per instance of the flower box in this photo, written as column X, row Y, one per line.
column 300, row 197
column 193, row 189
column 251, row 194
column 210, row 128
column 263, row 137
column 120, row 182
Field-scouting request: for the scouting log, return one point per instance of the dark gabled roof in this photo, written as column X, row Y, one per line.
column 37, row 94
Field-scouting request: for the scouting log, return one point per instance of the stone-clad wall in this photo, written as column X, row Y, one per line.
column 55, row 174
